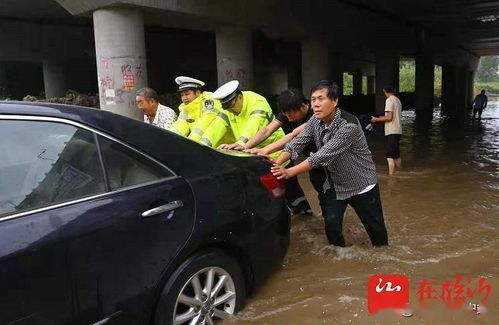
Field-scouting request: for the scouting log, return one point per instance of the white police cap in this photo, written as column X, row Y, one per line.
column 186, row 83
column 227, row 91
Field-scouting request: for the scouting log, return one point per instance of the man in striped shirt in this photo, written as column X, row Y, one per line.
column 347, row 161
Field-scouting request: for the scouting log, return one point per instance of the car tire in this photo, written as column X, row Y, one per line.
column 188, row 294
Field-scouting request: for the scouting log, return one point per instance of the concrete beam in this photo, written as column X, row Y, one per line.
column 121, row 59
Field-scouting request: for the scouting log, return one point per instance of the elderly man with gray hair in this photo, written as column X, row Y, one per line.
column 147, row 100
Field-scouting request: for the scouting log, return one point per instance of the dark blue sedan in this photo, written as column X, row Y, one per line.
column 108, row 220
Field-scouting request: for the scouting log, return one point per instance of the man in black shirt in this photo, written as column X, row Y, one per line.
column 294, row 113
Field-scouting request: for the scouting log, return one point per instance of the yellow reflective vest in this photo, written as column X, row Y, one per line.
column 196, row 117
column 255, row 114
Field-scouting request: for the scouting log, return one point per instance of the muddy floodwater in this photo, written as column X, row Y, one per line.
column 442, row 215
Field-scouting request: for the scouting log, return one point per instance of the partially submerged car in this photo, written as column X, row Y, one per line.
column 108, row 220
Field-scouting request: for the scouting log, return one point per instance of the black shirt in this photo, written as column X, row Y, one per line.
column 289, row 127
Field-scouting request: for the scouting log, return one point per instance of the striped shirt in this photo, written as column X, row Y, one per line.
column 342, row 152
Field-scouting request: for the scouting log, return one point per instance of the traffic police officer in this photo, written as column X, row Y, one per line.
column 197, row 111
column 245, row 112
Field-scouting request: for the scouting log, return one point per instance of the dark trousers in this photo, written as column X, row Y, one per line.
column 368, row 208
column 479, row 110
column 294, row 192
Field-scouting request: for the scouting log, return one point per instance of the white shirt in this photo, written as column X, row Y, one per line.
column 393, row 105
column 164, row 118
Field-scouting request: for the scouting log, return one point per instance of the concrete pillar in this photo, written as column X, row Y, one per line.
column 387, row 74
column 425, row 75
column 371, row 85
column 3, row 81
column 357, row 82
column 121, row 59
column 235, row 56
column 54, row 78
column 470, row 85
column 462, row 91
column 449, row 89
column 337, row 70
column 316, row 63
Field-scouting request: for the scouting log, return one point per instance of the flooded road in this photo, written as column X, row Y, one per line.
column 442, row 215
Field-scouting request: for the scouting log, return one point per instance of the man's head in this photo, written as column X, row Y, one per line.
column 189, row 88
column 293, row 105
column 230, row 96
column 147, row 100
column 482, row 92
column 388, row 91
column 324, row 97
column 189, row 95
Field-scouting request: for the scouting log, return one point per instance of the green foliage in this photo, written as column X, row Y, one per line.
column 488, row 69
column 437, row 85
column 490, row 87
column 407, row 76
column 347, row 84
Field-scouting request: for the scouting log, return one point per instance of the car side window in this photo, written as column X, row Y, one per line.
column 44, row 163
column 126, row 167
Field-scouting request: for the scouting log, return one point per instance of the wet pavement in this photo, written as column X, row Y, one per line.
column 442, row 215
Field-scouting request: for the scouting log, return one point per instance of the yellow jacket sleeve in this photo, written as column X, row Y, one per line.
column 216, row 130
column 181, row 126
column 256, row 120
column 203, row 124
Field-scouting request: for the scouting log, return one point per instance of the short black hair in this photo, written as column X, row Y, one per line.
column 148, row 93
column 291, row 100
column 333, row 91
column 389, row 89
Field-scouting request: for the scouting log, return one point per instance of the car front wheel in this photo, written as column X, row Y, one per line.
column 204, row 288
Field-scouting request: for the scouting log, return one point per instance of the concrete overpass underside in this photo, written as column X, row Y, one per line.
column 115, row 47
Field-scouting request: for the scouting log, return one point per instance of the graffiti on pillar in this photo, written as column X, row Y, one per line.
column 105, row 63
column 237, row 73
column 106, row 87
column 128, row 77
column 119, row 96
column 139, row 72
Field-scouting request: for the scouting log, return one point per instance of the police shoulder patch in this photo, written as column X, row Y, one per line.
column 209, row 104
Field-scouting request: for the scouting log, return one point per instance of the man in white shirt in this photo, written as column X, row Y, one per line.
column 147, row 100
column 393, row 129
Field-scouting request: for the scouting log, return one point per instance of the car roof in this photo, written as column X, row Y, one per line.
column 154, row 141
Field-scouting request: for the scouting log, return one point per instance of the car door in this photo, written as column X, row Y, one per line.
column 120, row 248
column 45, row 183
column 74, row 245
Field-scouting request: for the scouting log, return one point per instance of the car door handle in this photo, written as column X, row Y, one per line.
column 164, row 208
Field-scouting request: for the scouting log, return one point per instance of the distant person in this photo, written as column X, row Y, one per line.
column 479, row 104
column 393, row 129
column 147, row 100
